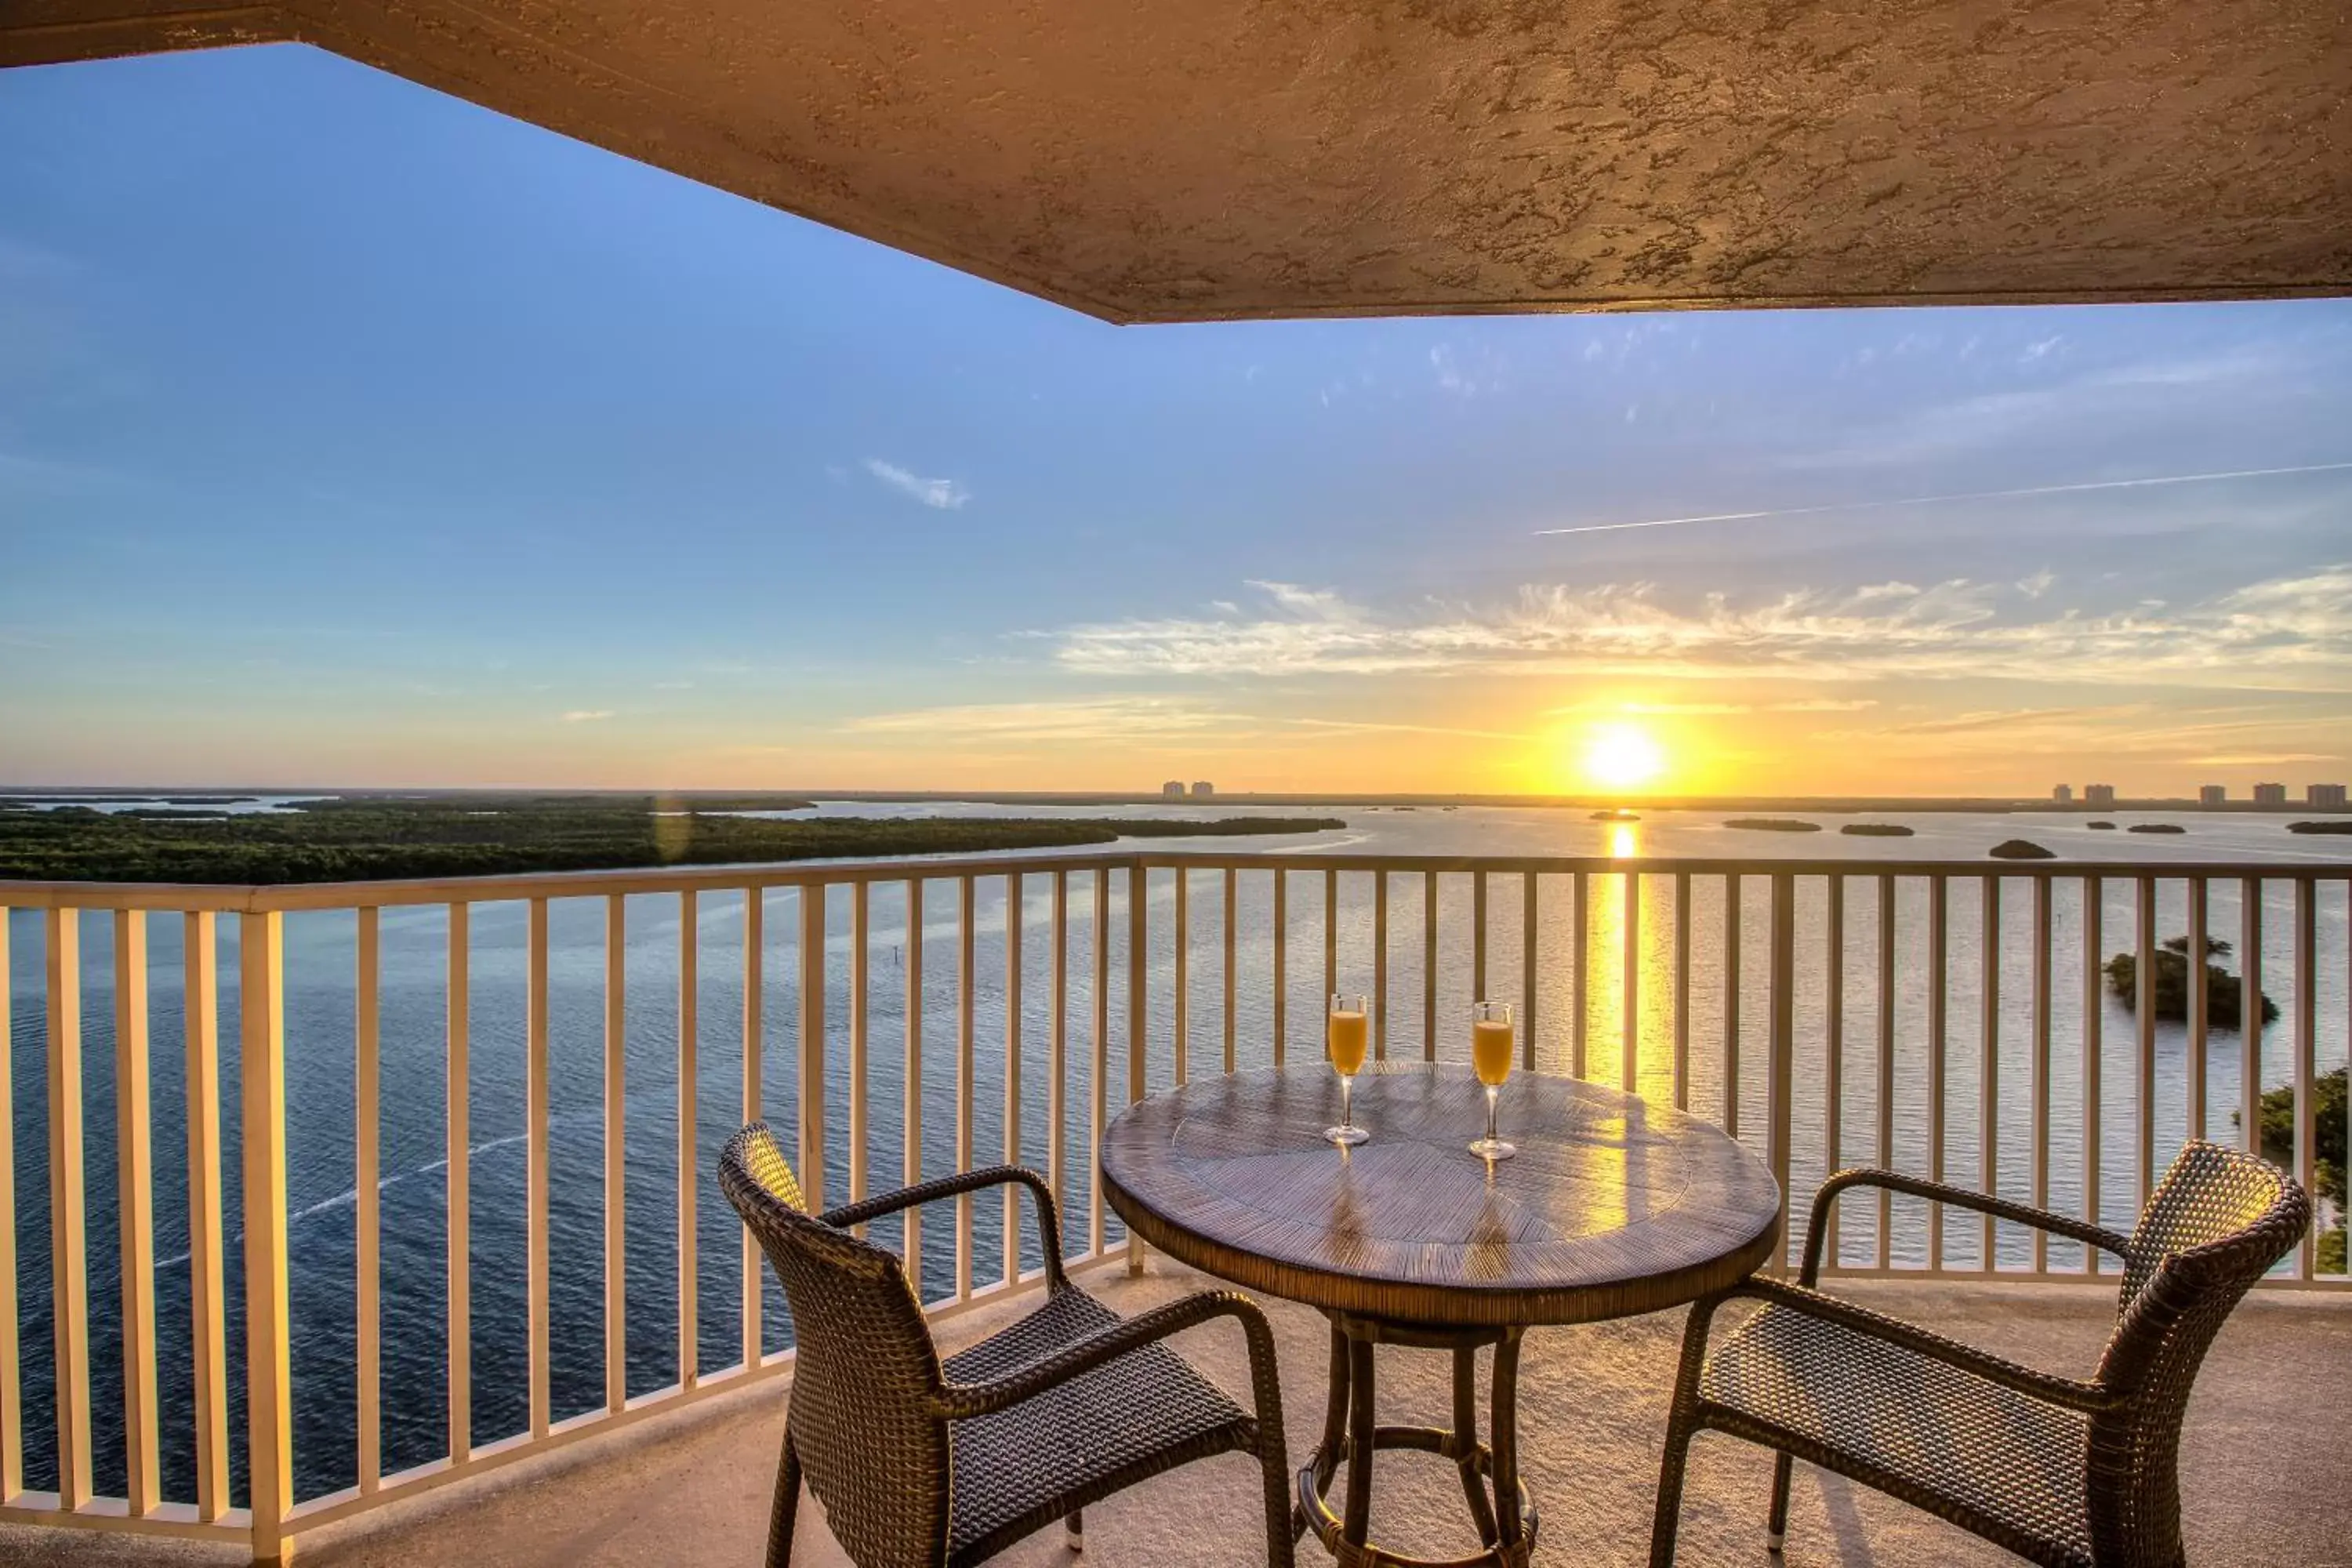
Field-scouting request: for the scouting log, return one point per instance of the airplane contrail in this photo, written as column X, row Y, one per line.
column 1932, row 501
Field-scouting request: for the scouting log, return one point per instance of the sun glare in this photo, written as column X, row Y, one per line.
column 1622, row 756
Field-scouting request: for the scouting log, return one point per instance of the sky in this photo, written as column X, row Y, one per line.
column 353, row 435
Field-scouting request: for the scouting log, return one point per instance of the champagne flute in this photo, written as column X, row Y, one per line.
column 1492, row 1042
column 1346, row 1031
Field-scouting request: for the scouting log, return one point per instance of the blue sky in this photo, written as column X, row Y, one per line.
column 352, row 434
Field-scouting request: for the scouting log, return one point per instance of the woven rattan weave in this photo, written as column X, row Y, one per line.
column 2071, row 1474
column 924, row 1463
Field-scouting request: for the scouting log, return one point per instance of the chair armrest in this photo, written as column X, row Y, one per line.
column 1817, row 1228
column 961, row 1401
column 2045, row 1386
column 1049, row 1219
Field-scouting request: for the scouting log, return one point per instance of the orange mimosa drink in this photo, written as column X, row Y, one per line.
column 1491, row 1046
column 1492, row 1040
column 1345, row 1031
column 1349, row 1034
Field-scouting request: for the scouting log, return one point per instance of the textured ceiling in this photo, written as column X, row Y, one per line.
column 1175, row 160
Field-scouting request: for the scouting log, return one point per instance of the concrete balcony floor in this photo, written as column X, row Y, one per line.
column 2262, row 1464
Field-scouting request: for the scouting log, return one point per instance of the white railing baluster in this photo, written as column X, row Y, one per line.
column 456, row 1168
column 812, row 1044
column 1379, row 968
column 1731, row 925
column 207, row 1314
column 2249, row 1016
column 2306, row 1068
column 689, row 1071
column 1938, row 1045
column 1478, row 936
column 1057, row 1086
column 964, row 989
column 911, row 1109
column 1012, row 1194
column 755, row 941
column 861, row 980
column 268, row 1381
column 1231, row 1013
column 1682, row 989
column 616, row 1162
column 1139, row 1044
column 1429, row 966
column 1885, row 1153
column 2042, row 1008
column 1330, row 942
column 1629, row 1068
column 535, row 1117
column 135, row 1212
column 1281, row 966
column 12, row 1401
column 1989, row 1065
column 1138, row 996
column 1834, row 1032
column 1184, row 1025
column 367, row 1161
column 2144, row 1078
column 1528, row 967
column 1098, row 1086
column 2201, row 1003
column 2094, row 1045
column 1783, row 1047
column 1580, row 1018
column 69, row 1265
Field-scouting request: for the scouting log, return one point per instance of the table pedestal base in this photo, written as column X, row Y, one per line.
column 1506, row 1519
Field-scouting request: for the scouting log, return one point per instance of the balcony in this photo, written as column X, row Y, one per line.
column 462, row 1131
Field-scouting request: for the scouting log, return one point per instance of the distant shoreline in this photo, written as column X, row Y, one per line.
column 1829, row 804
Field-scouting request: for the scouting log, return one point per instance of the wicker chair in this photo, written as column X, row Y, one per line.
column 923, row 1462
column 2073, row 1473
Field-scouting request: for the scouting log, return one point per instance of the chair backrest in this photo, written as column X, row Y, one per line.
column 863, row 1420
column 2215, row 1225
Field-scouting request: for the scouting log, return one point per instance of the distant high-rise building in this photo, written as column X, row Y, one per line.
column 1172, row 787
column 2326, row 794
column 2212, row 794
column 2270, row 794
column 2102, row 795
column 1202, row 787
column 2063, row 794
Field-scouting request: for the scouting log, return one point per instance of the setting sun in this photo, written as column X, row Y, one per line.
column 1622, row 756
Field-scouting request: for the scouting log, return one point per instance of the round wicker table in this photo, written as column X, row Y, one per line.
column 1613, row 1206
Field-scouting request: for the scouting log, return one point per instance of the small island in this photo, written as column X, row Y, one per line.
column 2100, row 826
column 2021, row 849
column 2225, row 993
column 2156, row 827
column 2341, row 824
column 1772, row 825
column 1619, row 814
column 372, row 837
column 1876, row 830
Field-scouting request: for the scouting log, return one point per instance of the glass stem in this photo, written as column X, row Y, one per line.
column 1491, row 1092
column 1347, row 1100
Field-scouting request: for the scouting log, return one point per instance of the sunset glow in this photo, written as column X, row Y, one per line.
column 1622, row 755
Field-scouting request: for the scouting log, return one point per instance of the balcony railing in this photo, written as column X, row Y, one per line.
column 902, row 1018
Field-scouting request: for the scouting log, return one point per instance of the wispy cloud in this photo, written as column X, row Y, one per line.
column 2160, row 479
column 2284, row 634
column 1372, row 727
column 1086, row 719
column 585, row 715
column 946, row 495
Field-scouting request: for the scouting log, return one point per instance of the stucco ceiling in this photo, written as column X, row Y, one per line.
column 1179, row 160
